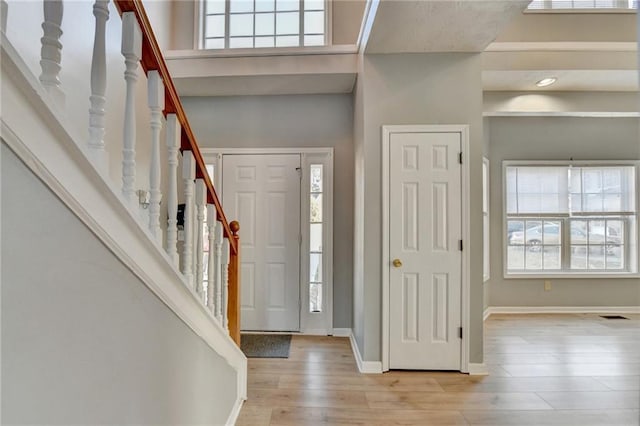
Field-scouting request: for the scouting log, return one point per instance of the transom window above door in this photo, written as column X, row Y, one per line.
column 231, row 24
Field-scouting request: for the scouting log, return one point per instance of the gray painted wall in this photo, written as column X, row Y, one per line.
column 416, row 89
column 83, row 340
column 300, row 121
column 556, row 138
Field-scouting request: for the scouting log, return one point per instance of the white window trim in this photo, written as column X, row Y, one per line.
column 567, row 274
column 486, row 275
column 311, row 323
column 198, row 30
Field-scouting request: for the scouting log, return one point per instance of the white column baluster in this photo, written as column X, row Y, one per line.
column 173, row 144
column 98, row 84
column 211, row 266
column 131, row 49
column 225, row 283
column 156, row 105
column 188, row 175
column 201, row 201
column 4, row 10
column 217, row 258
column 51, row 50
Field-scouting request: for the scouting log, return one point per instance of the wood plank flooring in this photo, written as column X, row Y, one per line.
column 563, row 370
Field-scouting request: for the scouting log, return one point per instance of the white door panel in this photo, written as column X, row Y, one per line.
column 425, row 229
column 263, row 192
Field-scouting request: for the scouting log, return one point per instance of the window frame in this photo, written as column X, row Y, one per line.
column 546, row 6
column 199, row 30
column 486, row 219
column 632, row 237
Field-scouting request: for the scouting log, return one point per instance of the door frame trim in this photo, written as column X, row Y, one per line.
column 309, row 323
column 463, row 130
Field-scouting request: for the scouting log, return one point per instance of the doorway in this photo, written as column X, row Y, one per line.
column 424, row 274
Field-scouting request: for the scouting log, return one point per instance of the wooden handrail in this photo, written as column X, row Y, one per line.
column 152, row 59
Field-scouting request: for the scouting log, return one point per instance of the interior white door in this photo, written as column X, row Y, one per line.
column 263, row 193
column 425, row 278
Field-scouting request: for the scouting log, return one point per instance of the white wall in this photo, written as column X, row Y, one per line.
column 83, row 340
column 416, row 89
column 556, row 138
column 294, row 122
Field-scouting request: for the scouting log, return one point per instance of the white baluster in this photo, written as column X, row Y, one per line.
column 51, row 50
column 131, row 49
column 201, row 201
column 98, row 84
column 173, row 144
column 4, row 10
column 188, row 175
column 217, row 256
column 156, row 105
column 225, row 282
column 211, row 265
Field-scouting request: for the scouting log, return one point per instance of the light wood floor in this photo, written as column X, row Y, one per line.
column 558, row 370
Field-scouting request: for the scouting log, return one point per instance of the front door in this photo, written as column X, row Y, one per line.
column 425, row 280
column 263, row 193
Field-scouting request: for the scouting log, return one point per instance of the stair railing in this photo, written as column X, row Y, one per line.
column 215, row 282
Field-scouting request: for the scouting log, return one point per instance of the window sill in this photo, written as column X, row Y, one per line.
column 571, row 275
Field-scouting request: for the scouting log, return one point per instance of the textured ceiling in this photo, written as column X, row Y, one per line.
column 404, row 26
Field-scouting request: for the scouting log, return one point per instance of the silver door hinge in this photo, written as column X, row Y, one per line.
column 460, row 157
column 460, row 332
column 299, row 170
column 460, row 244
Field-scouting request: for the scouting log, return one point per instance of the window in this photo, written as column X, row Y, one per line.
column 582, row 4
column 229, row 24
column 315, row 238
column 564, row 219
column 486, row 240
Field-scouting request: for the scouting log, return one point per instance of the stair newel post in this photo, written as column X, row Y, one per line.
column 155, row 99
column 173, row 132
column 234, row 285
column 211, row 273
column 225, row 283
column 51, row 50
column 97, row 99
column 201, row 200
column 218, row 277
column 131, row 49
column 188, row 176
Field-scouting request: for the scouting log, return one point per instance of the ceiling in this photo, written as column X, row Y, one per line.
column 439, row 25
column 589, row 52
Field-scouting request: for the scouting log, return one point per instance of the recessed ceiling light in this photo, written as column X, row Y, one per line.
column 546, row 82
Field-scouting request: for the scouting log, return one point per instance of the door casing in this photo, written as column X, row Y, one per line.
column 463, row 130
column 310, row 323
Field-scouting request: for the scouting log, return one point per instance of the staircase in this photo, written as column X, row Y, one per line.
column 98, row 120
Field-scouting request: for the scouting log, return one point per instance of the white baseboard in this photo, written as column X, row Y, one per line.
column 235, row 412
column 342, row 332
column 561, row 310
column 366, row 367
column 478, row 369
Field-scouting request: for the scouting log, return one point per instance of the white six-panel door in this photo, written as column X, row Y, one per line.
column 263, row 193
column 424, row 235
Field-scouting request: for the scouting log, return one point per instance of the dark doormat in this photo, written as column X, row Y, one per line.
column 265, row 345
column 613, row 317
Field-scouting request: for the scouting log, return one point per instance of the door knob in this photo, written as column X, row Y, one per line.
column 397, row 263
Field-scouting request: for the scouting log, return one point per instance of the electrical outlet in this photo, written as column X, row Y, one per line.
column 547, row 285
